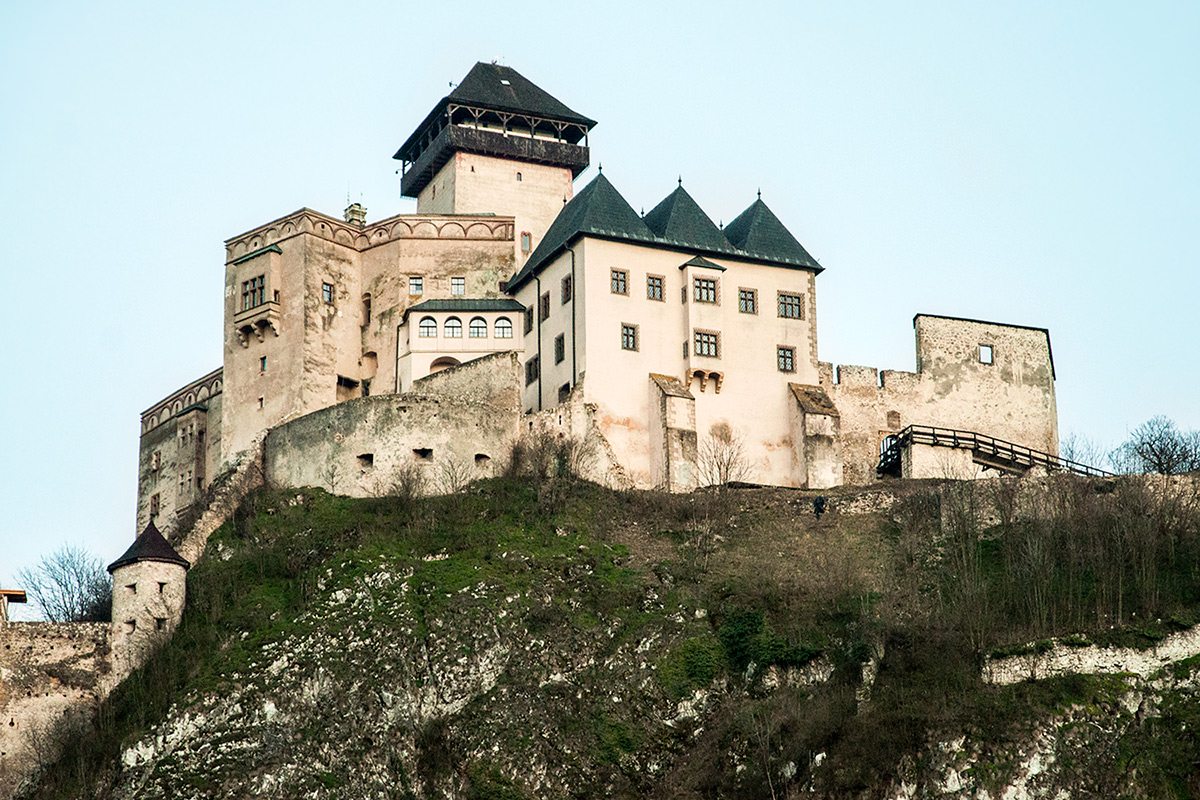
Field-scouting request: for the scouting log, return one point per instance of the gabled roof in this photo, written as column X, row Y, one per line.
column 758, row 232
column 679, row 219
column 504, row 89
column 150, row 546
column 467, row 304
column 598, row 209
column 701, row 261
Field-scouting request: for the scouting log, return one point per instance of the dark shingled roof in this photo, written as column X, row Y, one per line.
column 679, row 219
column 504, row 89
column 468, row 304
column 758, row 232
column 599, row 210
column 701, row 261
column 150, row 546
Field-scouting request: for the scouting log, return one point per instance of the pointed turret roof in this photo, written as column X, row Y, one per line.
column 598, row 209
column 150, row 546
column 758, row 232
column 678, row 218
column 504, row 89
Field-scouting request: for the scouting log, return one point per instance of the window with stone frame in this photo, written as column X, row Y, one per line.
column 458, row 285
column 629, row 336
column 529, row 320
column 560, row 348
column 655, row 289
column 748, row 301
column 416, row 284
column 619, row 281
column 544, row 307
column 707, row 343
column 254, row 292
column 704, row 290
column 526, row 241
column 567, row 289
column 785, row 358
column 791, row 306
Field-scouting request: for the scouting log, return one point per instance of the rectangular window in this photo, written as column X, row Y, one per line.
column 155, row 504
column 416, row 284
column 987, row 354
column 654, row 287
column 458, row 285
column 567, row 289
column 748, row 301
column 704, row 290
column 526, row 242
column 685, row 349
column 544, row 307
column 629, row 336
column 791, row 306
column 254, row 292
column 708, row 343
column 564, row 392
column 560, row 348
column 620, row 281
column 785, row 357
column 532, row 370
column 529, row 320
column 262, row 363
column 327, row 292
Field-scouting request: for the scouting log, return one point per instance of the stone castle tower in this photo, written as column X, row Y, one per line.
column 148, row 597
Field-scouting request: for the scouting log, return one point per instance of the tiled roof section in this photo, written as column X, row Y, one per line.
column 813, row 400
column 601, row 211
column 758, row 232
column 701, row 261
column 504, row 89
column 679, row 219
column 598, row 209
column 468, row 304
column 150, row 546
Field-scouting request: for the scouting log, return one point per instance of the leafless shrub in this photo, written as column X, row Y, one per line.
column 1081, row 449
column 1157, row 445
column 407, row 482
column 721, row 459
column 542, row 454
column 70, row 585
column 453, row 476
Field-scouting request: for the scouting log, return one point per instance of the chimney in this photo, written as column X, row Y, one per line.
column 356, row 214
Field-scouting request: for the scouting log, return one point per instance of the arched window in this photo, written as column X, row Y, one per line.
column 504, row 328
column 428, row 328
column 478, row 329
column 453, row 328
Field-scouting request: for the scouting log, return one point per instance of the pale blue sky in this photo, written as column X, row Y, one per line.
column 1025, row 162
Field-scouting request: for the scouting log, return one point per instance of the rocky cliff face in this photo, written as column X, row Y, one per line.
column 556, row 640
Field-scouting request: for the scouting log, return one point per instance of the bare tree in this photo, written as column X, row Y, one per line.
column 70, row 585
column 721, row 459
column 1080, row 449
column 1157, row 445
column 454, row 475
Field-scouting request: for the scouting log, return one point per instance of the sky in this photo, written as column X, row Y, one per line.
column 1027, row 162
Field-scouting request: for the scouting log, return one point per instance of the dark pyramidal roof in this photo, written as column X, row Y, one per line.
column 677, row 222
column 504, row 89
column 150, row 546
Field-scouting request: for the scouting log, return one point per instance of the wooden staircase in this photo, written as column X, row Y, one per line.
column 986, row 451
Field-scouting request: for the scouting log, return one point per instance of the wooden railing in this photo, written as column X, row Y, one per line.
column 1007, row 454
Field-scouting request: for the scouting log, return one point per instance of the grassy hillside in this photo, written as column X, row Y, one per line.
column 553, row 639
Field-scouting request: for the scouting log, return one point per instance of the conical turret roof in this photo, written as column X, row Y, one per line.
column 150, row 546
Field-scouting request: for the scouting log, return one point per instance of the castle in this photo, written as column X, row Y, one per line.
column 661, row 336
column 679, row 353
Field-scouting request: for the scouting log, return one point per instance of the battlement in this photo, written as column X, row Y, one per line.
column 474, row 227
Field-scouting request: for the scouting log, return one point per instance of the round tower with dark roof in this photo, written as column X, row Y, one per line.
column 149, row 587
column 497, row 144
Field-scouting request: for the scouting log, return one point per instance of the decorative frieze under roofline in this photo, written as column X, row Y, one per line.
column 482, row 227
column 198, row 391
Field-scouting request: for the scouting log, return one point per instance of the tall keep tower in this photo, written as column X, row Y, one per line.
column 497, row 144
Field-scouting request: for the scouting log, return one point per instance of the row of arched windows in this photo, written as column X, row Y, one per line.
column 452, row 328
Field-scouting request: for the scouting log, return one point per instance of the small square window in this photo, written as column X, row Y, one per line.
column 458, row 285
column 560, row 348
column 416, row 284
column 629, row 336
column 708, row 343
column 987, row 355
column 567, row 289
column 786, row 358
column 327, row 292
column 654, row 287
column 620, row 281
column 748, row 301
column 704, row 290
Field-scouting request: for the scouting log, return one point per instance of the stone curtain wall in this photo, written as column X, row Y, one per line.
column 52, row 677
column 459, row 423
